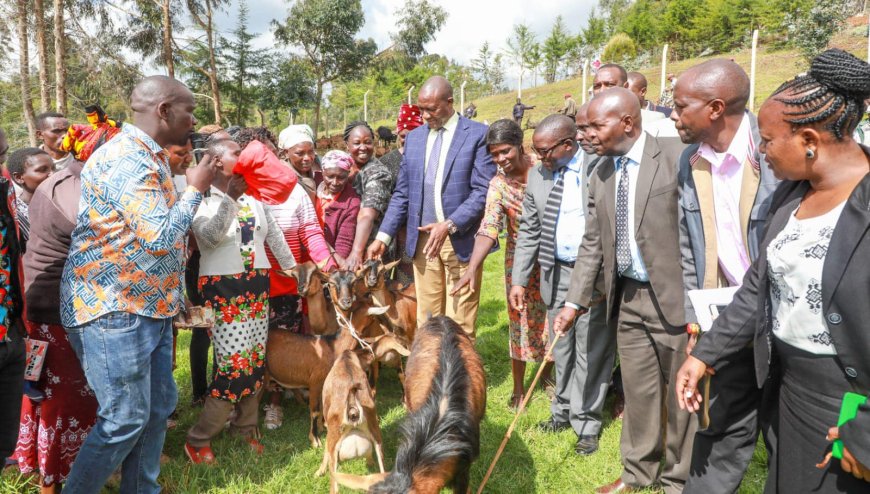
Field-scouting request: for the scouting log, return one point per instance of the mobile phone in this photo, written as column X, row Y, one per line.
column 197, row 142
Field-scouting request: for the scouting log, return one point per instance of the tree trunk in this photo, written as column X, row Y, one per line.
column 318, row 96
column 59, row 57
column 167, row 40
column 212, row 67
column 262, row 117
column 24, row 71
column 42, row 51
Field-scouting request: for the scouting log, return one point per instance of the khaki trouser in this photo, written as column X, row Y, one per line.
column 434, row 280
column 215, row 413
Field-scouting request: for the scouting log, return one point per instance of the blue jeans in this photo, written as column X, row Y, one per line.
column 127, row 360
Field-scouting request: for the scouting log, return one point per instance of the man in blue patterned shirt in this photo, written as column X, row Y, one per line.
column 122, row 285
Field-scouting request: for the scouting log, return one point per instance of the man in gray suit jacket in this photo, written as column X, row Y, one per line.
column 726, row 189
column 632, row 239
column 551, row 229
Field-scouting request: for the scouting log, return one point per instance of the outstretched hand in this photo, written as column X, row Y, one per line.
column 469, row 279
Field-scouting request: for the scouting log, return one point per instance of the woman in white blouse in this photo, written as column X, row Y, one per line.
column 804, row 304
column 231, row 231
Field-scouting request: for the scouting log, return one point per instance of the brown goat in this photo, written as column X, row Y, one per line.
column 387, row 349
column 321, row 315
column 296, row 361
column 402, row 301
column 352, row 428
column 361, row 312
column 445, row 392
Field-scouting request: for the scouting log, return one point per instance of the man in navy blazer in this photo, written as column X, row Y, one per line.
column 441, row 206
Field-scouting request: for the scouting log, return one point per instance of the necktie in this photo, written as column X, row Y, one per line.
column 429, row 216
column 623, row 252
column 547, row 251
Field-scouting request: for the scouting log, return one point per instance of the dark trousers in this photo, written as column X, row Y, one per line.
column 656, row 440
column 12, row 358
column 738, row 412
column 199, row 339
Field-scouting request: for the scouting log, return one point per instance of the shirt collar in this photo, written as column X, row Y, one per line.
column 137, row 133
column 635, row 154
column 739, row 149
column 576, row 163
column 450, row 124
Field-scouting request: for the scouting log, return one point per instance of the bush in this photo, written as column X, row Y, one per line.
column 810, row 31
column 619, row 48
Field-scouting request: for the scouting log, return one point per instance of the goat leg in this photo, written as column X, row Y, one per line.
column 325, row 463
column 379, row 452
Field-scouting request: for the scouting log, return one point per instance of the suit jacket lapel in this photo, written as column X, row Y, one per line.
column 701, row 175
column 456, row 143
column 851, row 228
column 748, row 192
column 649, row 166
column 607, row 169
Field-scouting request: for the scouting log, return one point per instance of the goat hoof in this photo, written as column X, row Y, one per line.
column 320, row 472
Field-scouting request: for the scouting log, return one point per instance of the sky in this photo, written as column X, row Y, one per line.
column 469, row 22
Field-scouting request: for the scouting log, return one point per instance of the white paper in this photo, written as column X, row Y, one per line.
column 708, row 304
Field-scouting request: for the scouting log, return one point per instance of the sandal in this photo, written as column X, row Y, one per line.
column 199, row 455
column 255, row 445
column 515, row 401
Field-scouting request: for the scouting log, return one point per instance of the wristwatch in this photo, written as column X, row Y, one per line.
column 451, row 227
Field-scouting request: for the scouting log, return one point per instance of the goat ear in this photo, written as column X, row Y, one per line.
column 360, row 272
column 376, row 311
column 359, row 482
column 391, row 265
column 393, row 344
column 324, row 277
column 373, row 340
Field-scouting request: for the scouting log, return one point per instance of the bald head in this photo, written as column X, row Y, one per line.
column 437, row 86
column 556, row 125
column 163, row 109
column 637, row 83
column 555, row 141
column 436, row 102
column 614, row 122
column 717, row 79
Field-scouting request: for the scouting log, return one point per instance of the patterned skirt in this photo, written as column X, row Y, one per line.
column 52, row 432
column 241, row 305
column 528, row 327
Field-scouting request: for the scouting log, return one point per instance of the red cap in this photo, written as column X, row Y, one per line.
column 410, row 117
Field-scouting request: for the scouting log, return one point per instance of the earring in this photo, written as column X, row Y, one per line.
column 810, row 154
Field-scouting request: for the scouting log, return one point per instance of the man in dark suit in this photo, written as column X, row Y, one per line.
column 726, row 189
column 440, row 196
column 551, row 229
column 632, row 239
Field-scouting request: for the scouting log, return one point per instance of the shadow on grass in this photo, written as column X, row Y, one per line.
column 515, row 470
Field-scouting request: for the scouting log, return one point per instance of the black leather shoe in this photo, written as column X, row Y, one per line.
column 586, row 445
column 553, row 426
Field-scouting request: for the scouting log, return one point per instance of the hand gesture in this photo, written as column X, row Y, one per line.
column 565, row 319
column 688, row 376
column 201, row 175
column 236, row 187
column 848, row 463
column 517, row 297
column 376, row 250
column 437, row 234
column 469, row 278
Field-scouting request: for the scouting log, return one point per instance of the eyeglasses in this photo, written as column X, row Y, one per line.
column 545, row 153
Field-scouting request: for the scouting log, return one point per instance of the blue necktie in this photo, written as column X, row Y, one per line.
column 429, row 216
column 623, row 250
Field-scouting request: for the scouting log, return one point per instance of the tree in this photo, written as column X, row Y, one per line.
column 202, row 12
column 243, row 62
column 287, row 85
column 325, row 30
column 555, row 49
column 811, row 29
column 520, row 46
column 167, row 37
column 59, row 57
column 418, row 22
column 24, row 70
column 42, row 55
column 619, row 48
column 149, row 30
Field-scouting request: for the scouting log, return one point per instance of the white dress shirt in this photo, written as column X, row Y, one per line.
column 637, row 270
column 571, row 222
column 446, row 139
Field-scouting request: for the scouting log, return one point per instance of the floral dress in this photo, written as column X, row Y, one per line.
column 241, row 306
column 528, row 328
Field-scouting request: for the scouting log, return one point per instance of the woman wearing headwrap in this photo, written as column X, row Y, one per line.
column 296, row 145
column 409, row 119
column 373, row 183
column 338, row 201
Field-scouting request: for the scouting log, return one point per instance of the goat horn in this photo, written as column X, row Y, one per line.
column 376, row 311
column 359, row 482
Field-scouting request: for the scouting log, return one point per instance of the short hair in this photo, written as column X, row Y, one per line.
column 619, row 68
column 18, row 160
column 637, row 77
column 504, row 131
column 216, row 147
column 832, row 94
column 210, row 129
column 557, row 123
column 355, row 124
column 43, row 117
column 247, row 134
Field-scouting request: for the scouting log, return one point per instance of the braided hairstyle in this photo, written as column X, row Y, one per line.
column 353, row 125
column 247, row 134
column 832, row 94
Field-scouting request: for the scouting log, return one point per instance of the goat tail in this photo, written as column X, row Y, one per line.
column 443, row 430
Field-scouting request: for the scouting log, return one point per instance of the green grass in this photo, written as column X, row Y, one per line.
column 532, row 462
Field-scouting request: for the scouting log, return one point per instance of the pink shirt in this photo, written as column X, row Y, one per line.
column 727, row 173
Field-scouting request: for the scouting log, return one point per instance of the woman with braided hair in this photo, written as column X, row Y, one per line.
column 803, row 304
column 372, row 181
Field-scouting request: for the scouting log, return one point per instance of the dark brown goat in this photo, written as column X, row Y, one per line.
column 401, row 301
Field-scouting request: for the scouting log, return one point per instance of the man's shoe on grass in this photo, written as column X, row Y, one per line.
column 553, row 426
column 586, row 445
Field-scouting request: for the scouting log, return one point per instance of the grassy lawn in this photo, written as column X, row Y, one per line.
column 532, row 462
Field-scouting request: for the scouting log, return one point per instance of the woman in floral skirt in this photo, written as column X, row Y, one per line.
column 231, row 231
column 504, row 206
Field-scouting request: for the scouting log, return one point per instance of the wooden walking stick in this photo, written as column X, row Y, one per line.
column 507, row 435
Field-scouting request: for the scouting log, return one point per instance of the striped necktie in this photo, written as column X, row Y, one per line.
column 547, row 250
column 428, row 215
column 623, row 251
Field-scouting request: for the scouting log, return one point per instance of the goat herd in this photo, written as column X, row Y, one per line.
column 371, row 321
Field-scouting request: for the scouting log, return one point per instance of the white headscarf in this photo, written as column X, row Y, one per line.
column 295, row 134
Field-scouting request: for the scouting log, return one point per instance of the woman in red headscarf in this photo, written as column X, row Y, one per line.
column 338, row 201
column 409, row 119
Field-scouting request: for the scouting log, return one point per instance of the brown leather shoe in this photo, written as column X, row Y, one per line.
column 615, row 486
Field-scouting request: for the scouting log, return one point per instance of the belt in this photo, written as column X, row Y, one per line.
column 560, row 262
column 626, row 279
